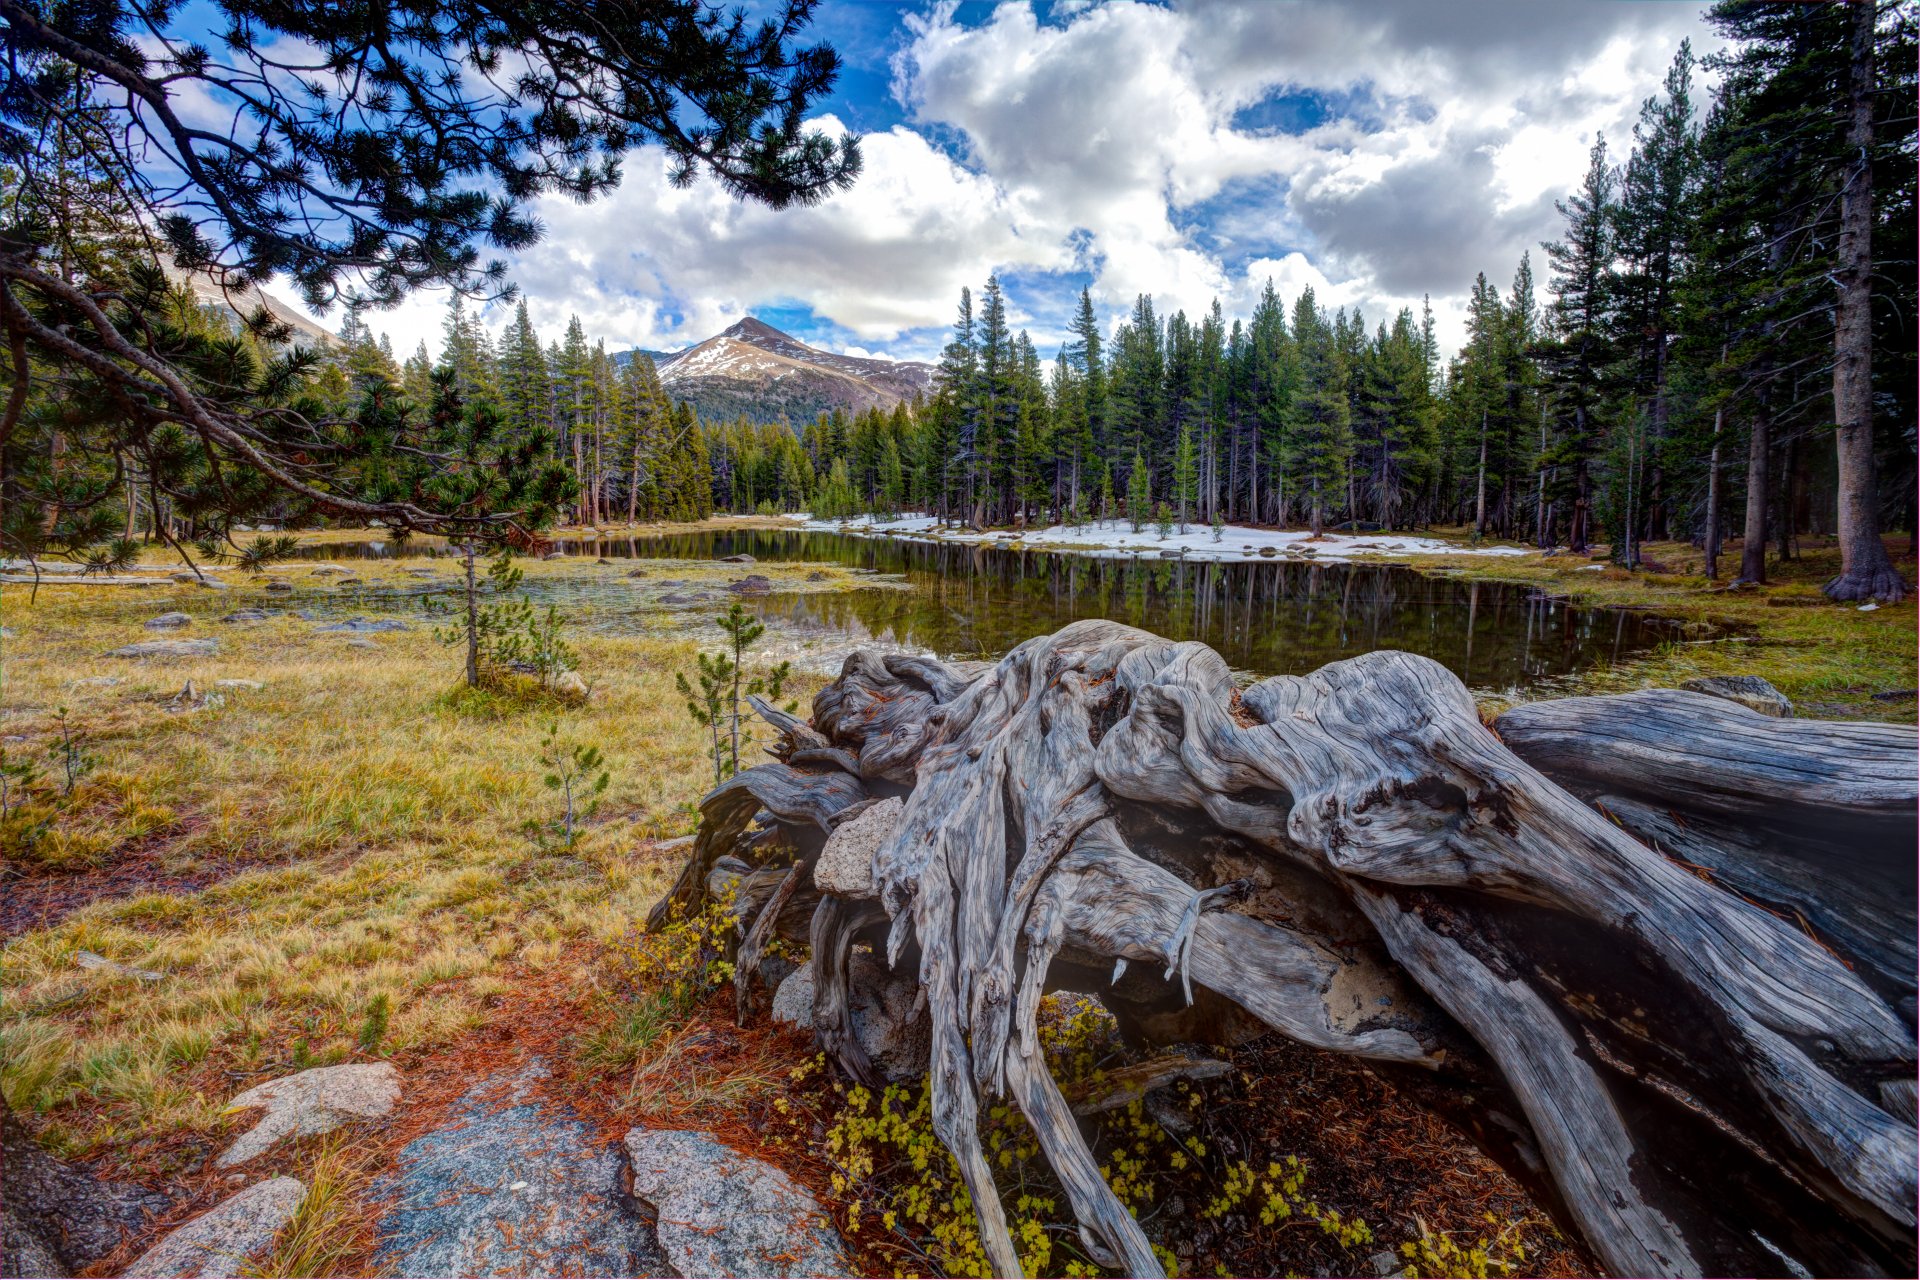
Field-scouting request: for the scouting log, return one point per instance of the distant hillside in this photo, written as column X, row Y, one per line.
column 241, row 303
column 752, row 369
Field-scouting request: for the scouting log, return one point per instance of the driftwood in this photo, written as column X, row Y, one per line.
column 1702, row 1065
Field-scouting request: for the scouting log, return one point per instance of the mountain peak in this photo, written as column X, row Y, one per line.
column 756, row 331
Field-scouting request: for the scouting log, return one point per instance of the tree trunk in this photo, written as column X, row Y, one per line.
column 473, row 624
column 1753, row 546
column 1480, row 484
column 1689, row 1080
column 1866, row 571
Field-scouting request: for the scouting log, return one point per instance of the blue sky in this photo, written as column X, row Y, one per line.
column 1376, row 152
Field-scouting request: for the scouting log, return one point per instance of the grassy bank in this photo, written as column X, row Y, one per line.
column 1830, row 659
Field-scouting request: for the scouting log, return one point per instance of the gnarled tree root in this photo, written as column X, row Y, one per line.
column 1694, row 1079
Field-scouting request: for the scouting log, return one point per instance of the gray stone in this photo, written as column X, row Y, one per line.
column 752, row 585
column 742, row 558
column 361, row 642
column 247, row 615
column 183, row 576
column 56, row 1217
column 818, row 575
column 227, row 1238
column 167, row 649
column 100, row 964
column 279, row 587
column 674, row 597
column 238, row 684
column 313, row 1102
column 509, row 1187
column 423, row 573
column 211, row 584
column 364, row 624
column 636, row 573
column 325, row 570
column 1749, row 691
column 570, row 684
column 845, row 867
column 722, row 1213
column 169, row 622
column 884, row 1020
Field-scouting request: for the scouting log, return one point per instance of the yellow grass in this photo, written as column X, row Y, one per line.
column 356, row 826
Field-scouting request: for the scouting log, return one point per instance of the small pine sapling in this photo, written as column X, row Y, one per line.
column 578, row 772
column 70, row 754
column 1219, row 526
column 1163, row 519
column 716, row 706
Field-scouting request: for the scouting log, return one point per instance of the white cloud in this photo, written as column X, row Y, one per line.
column 1111, row 138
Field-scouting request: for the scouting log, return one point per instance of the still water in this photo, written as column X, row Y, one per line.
column 1264, row 617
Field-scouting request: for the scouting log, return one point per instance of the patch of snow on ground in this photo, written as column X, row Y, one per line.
column 1115, row 538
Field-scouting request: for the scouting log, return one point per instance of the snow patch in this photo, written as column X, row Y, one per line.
column 1116, row 538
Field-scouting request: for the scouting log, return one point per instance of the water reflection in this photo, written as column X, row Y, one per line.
column 1268, row 617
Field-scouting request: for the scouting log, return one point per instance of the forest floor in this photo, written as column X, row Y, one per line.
column 329, row 860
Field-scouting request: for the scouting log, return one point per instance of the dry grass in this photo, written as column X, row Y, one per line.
column 348, row 832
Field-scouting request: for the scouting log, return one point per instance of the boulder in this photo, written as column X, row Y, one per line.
column 752, row 585
column 1749, row 691
column 227, row 1238
column 675, row 597
column 845, row 868
column 897, row 1040
column 570, row 684
column 247, row 615
column 238, row 684
column 636, row 573
column 279, row 588
column 210, row 584
column 167, row 649
column 313, row 1102
column 511, row 1185
column 325, row 570
column 721, row 1213
column 169, row 622
column 742, row 558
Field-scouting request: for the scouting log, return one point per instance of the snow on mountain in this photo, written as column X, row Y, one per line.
column 753, row 369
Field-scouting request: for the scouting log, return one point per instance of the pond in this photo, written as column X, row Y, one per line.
column 1263, row 617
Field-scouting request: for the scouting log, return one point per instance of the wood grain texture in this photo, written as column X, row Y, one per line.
column 1708, row 1085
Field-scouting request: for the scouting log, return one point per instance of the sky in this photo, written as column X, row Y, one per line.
column 1377, row 152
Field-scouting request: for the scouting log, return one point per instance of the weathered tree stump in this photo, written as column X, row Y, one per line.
column 1701, row 1059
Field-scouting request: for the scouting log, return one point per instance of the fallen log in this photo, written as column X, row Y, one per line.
column 1694, row 1082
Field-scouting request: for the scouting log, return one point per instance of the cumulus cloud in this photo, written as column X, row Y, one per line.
column 1134, row 146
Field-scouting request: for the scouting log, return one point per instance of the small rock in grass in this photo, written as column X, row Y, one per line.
column 278, row 586
column 752, row 585
column 818, row 575
column 363, row 624
column 570, row 684
column 636, row 573
column 742, row 558
column 603, row 560
column 184, row 576
column 169, row 622
column 167, row 649
column 325, row 570
column 722, row 1213
column 554, row 555
column 674, row 597
column 211, row 584
column 1751, row 692
column 238, row 684
column 313, row 1102
column 247, row 615
column 222, row 1241
column 100, row 964
column 349, row 582
column 423, row 573
column 361, row 642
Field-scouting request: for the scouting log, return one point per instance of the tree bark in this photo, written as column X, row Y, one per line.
column 1753, row 544
column 1866, row 571
column 1694, row 1083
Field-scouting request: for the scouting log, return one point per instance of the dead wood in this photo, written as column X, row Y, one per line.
column 1699, row 1078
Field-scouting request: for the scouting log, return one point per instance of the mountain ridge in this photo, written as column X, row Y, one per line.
column 754, row 370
